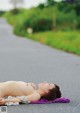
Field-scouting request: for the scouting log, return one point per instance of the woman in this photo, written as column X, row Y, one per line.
column 27, row 92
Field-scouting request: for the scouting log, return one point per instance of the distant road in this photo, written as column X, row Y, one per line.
column 26, row 60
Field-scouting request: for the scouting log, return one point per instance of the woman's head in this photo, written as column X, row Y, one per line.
column 50, row 91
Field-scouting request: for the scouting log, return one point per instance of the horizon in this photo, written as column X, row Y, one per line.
column 5, row 5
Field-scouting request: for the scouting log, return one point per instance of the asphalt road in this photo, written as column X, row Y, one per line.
column 26, row 60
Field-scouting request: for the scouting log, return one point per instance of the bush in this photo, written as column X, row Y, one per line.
column 38, row 24
column 43, row 24
column 19, row 29
column 2, row 13
column 41, row 6
column 44, row 19
column 67, row 21
column 15, row 11
column 78, row 25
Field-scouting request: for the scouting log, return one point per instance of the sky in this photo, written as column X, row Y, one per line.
column 5, row 5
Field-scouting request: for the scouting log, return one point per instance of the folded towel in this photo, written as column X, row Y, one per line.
column 22, row 98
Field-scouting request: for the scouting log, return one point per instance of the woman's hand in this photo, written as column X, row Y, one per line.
column 2, row 101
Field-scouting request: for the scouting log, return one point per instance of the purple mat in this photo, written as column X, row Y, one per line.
column 58, row 100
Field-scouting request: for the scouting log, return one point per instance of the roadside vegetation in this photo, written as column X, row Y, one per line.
column 56, row 25
column 2, row 13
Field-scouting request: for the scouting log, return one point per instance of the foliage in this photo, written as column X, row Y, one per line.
column 50, row 2
column 41, row 6
column 41, row 24
column 61, row 18
column 67, row 21
column 2, row 13
column 19, row 29
column 77, row 7
column 14, row 11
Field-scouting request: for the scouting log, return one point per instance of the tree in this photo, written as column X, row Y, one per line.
column 65, row 7
column 41, row 6
column 70, row 1
column 1, row 13
column 50, row 2
column 77, row 7
column 15, row 3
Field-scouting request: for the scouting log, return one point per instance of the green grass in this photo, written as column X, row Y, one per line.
column 68, row 41
column 65, row 40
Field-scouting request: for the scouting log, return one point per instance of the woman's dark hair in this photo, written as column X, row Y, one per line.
column 52, row 94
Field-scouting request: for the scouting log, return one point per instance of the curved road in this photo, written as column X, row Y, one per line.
column 26, row 60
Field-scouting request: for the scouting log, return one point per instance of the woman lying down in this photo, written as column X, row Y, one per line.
column 27, row 92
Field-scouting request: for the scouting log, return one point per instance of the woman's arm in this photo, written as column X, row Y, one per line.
column 21, row 99
column 4, row 101
column 15, row 99
column 33, row 97
column 30, row 98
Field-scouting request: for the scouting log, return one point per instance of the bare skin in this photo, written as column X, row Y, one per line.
column 20, row 88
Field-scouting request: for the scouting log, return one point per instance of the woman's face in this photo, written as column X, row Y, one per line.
column 45, row 86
